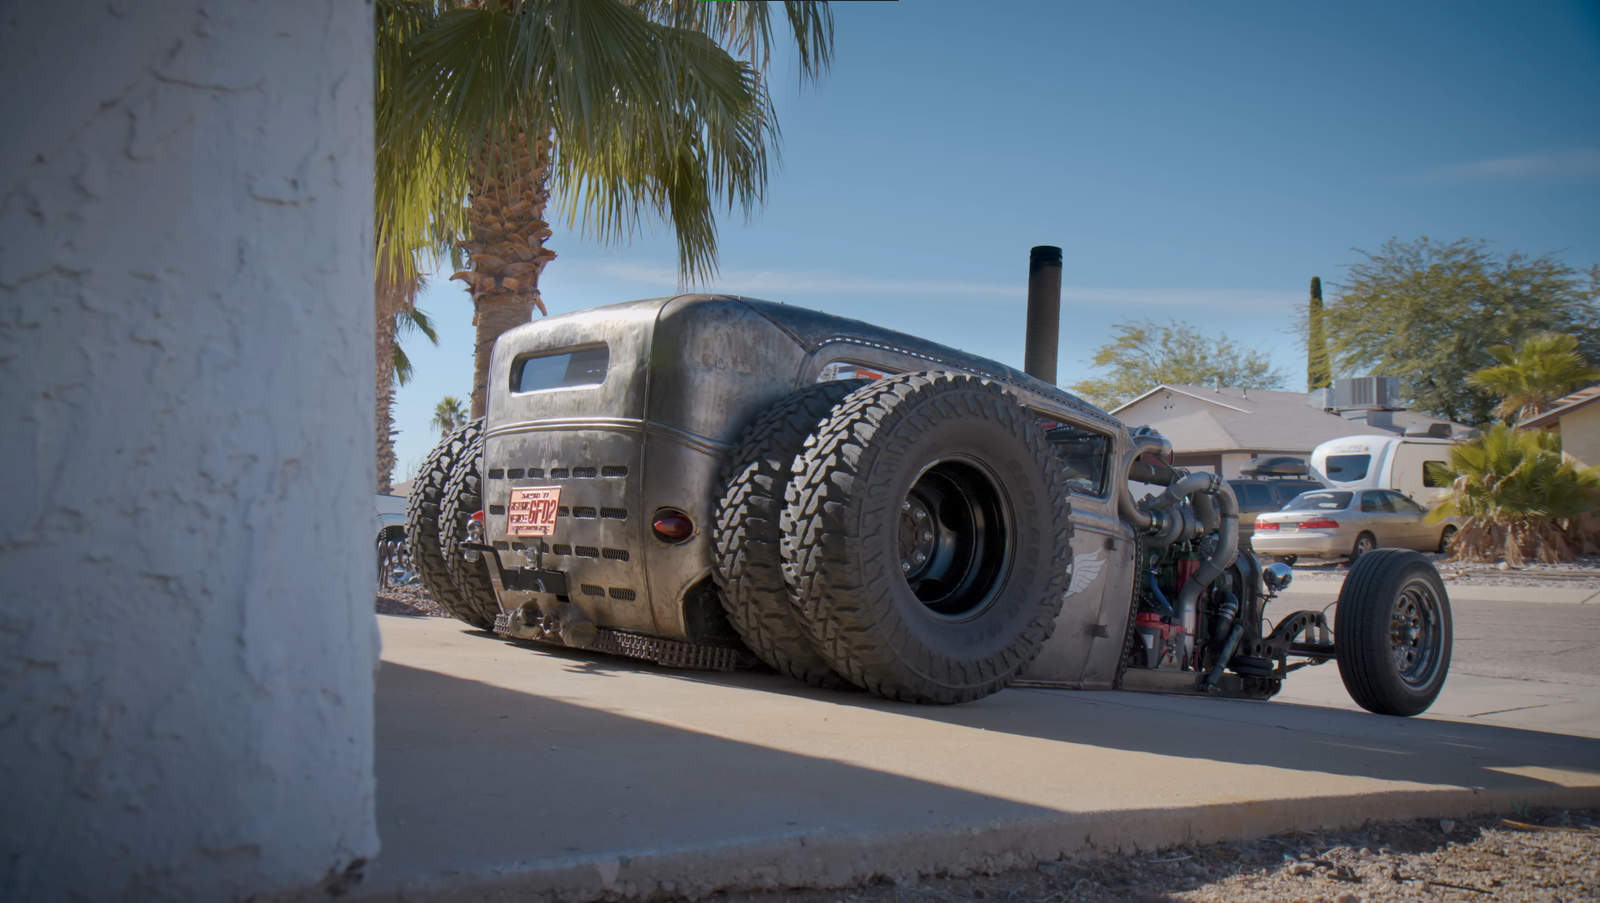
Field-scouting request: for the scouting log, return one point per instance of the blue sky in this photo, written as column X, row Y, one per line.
column 1200, row 161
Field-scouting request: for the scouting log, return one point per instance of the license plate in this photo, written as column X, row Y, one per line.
column 532, row 512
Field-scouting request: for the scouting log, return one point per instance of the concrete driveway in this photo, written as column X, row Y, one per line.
column 506, row 771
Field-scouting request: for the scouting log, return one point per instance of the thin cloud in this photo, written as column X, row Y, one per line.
column 1582, row 163
column 779, row 284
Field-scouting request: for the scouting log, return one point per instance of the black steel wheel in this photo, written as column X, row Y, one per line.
column 749, row 561
column 1393, row 632
column 1365, row 543
column 927, row 538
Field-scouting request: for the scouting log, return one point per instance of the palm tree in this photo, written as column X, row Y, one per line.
column 621, row 109
column 1528, row 378
column 1518, row 497
column 448, row 415
column 397, row 314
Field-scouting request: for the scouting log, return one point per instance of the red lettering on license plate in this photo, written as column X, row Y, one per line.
column 532, row 512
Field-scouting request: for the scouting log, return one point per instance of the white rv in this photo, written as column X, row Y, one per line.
column 1383, row 462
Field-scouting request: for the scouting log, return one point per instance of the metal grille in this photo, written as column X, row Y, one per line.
column 586, row 473
column 615, row 554
column 613, row 470
column 614, row 513
column 626, row 595
column 671, row 653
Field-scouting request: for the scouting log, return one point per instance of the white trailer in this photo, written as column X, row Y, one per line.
column 1383, row 462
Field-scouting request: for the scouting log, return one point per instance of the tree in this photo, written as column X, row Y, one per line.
column 1318, row 374
column 396, row 312
column 1529, row 377
column 1145, row 355
column 621, row 109
column 1518, row 496
column 1428, row 313
column 448, row 415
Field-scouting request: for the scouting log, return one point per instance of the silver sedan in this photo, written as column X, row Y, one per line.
column 1338, row 523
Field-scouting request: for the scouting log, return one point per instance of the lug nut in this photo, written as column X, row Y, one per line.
column 921, row 557
column 927, row 534
column 905, row 566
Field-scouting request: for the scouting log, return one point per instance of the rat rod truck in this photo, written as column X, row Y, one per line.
column 707, row 480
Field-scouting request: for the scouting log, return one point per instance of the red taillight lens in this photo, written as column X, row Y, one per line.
column 1323, row 524
column 1265, row 525
column 478, row 516
column 672, row 526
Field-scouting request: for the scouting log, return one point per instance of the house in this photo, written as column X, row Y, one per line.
column 1224, row 429
column 1577, row 418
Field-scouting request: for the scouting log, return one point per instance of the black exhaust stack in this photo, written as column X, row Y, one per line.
column 1044, row 313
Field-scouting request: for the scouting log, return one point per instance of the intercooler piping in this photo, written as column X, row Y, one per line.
column 1166, row 521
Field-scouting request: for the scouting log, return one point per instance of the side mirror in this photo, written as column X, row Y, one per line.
column 1278, row 576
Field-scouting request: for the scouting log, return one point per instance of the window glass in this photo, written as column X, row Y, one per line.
column 1348, row 468
column 1320, row 500
column 1404, row 505
column 1287, row 491
column 1083, row 455
column 1427, row 476
column 582, row 367
column 1253, row 495
column 1376, row 502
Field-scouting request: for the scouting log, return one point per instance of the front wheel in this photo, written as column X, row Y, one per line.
column 1445, row 535
column 1393, row 632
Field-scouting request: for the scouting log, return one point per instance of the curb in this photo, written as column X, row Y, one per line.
column 819, row 860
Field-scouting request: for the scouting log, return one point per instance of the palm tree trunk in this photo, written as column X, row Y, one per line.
column 391, row 295
column 507, row 247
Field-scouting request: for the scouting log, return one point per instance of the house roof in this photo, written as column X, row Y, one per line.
column 1564, row 405
column 1256, row 420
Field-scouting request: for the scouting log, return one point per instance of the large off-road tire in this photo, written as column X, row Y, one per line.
column 1393, row 632
column 749, row 560
column 422, row 525
column 463, row 495
column 950, row 468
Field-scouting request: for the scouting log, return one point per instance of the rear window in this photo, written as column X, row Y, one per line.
column 1347, row 468
column 1287, row 491
column 1322, row 500
column 562, row 370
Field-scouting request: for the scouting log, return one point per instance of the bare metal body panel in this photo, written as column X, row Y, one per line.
column 686, row 376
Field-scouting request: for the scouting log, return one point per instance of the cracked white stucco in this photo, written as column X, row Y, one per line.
column 186, row 627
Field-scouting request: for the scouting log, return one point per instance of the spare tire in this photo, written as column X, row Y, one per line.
column 422, row 525
column 748, row 558
column 1392, row 632
column 463, row 496
column 927, row 538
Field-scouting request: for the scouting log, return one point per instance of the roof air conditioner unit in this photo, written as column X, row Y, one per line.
column 1429, row 430
column 1366, row 392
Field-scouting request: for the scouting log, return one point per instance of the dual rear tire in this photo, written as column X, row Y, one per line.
column 923, row 545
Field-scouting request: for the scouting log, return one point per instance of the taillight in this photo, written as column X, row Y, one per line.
column 478, row 516
column 1265, row 525
column 671, row 525
column 1323, row 524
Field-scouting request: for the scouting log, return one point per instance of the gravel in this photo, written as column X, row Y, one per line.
column 1553, row 858
column 408, row 600
column 1581, row 573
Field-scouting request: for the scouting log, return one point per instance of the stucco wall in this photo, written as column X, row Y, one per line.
column 1580, row 435
column 187, row 637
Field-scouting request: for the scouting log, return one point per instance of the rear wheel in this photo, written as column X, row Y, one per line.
column 927, row 538
column 463, row 496
column 1365, row 543
column 1393, row 632
column 749, row 561
column 422, row 525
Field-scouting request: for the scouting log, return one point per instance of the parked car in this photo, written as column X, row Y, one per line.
column 1264, row 496
column 1342, row 523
